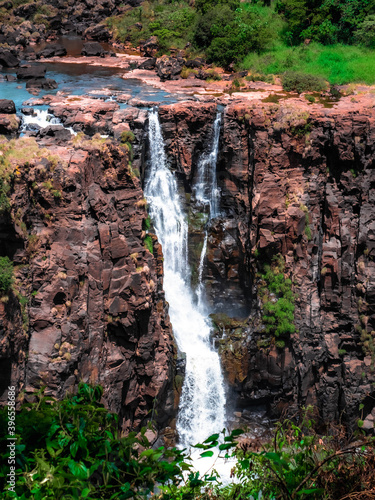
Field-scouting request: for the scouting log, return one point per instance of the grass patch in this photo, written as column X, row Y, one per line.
column 338, row 64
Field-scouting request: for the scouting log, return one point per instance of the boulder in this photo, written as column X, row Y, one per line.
column 92, row 49
column 57, row 131
column 202, row 75
column 54, row 50
column 194, row 63
column 26, row 11
column 169, row 68
column 29, row 54
column 31, row 72
column 10, row 78
column 28, row 111
column 9, row 124
column 99, row 33
column 7, row 106
column 150, row 47
column 7, row 59
column 149, row 64
column 41, row 83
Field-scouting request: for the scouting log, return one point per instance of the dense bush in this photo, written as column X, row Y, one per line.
column 300, row 463
column 299, row 82
column 325, row 21
column 227, row 36
column 6, row 274
column 365, row 33
column 204, row 6
column 72, row 449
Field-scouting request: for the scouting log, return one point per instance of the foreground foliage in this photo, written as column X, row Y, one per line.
column 73, row 449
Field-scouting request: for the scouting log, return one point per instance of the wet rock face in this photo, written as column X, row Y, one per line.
column 94, row 307
column 309, row 198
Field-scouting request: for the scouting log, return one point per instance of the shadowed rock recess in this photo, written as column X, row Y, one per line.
column 297, row 194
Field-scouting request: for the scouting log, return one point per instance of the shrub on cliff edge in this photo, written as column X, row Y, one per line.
column 299, row 82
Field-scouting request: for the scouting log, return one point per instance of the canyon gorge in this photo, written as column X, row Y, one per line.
column 257, row 185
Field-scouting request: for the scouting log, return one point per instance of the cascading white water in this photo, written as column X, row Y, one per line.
column 202, row 404
column 40, row 119
column 206, row 190
column 200, row 287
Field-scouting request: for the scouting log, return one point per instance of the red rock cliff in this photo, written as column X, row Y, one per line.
column 296, row 181
column 91, row 293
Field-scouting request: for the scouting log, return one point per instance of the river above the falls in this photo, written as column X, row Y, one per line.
column 81, row 78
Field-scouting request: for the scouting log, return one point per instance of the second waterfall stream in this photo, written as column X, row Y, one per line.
column 202, row 403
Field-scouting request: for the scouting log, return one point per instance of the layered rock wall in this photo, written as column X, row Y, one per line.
column 88, row 302
column 295, row 181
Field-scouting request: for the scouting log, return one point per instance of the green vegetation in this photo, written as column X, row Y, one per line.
column 324, row 21
column 331, row 40
column 147, row 223
column 308, row 233
column 299, row 82
column 149, row 244
column 229, row 31
column 338, row 64
column 277, row 299
column 6, row 274
column 299, row 463
column 4, row 200
column 171, row 22
column 127, row 137
column 73, row 449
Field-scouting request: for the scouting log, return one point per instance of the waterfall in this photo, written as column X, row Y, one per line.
column 206, row 190
column 200, row 287
column 39, row 120
column 202, row 403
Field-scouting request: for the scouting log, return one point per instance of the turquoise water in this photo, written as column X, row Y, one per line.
column 80, row 79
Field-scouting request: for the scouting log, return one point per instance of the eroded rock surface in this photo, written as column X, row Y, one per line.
column 297, row 183
column 89, row 301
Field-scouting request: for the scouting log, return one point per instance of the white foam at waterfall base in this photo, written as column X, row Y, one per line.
column 202, row 403
column 41, row 119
